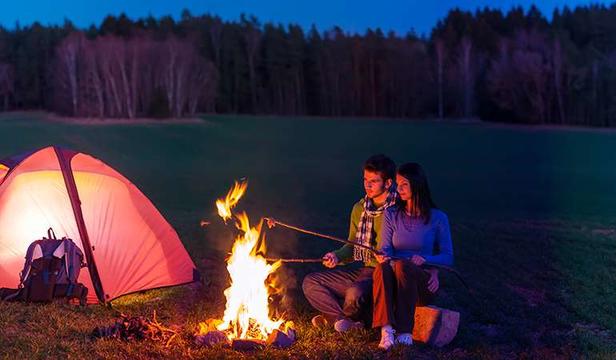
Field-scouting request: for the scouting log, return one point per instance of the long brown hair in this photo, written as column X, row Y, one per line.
column 420, row 191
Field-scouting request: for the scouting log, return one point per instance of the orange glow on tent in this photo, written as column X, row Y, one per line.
column 131, row 246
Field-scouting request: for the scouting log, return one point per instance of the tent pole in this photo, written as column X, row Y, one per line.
column 73, row 195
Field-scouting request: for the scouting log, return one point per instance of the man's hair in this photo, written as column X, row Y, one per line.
column 381, row 165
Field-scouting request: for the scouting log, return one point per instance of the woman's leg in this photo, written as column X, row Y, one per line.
column 411, row 283
column 383, row 290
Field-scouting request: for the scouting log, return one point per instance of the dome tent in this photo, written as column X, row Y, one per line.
column 127, row 243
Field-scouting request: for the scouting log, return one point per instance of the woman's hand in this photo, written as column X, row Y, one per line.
column 382, row 258
column 330, row 260
column 433, row 283
column 418, row 260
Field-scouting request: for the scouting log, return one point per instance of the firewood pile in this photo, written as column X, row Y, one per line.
column 209, row 336
column 137, row 328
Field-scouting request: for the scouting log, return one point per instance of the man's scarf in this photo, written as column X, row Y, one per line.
column 364, row 228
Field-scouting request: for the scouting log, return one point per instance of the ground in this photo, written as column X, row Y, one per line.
column 532, row 213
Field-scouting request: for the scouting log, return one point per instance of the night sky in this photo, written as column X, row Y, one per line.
column 351, row 15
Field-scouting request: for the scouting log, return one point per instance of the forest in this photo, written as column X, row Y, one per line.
column 513, row 66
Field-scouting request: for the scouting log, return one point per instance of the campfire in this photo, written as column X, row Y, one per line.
column 246, row 323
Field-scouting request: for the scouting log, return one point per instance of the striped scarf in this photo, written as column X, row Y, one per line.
column 364, row 228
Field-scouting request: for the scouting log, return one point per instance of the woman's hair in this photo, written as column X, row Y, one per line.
column 420, row 191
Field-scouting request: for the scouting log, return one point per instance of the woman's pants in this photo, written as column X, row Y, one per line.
column 397, row 289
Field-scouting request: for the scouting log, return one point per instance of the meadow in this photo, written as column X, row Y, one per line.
column 533, row 215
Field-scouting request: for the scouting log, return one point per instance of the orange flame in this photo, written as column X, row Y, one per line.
column 233, row 196
column 247, row 309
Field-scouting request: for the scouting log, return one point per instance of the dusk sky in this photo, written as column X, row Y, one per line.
column 351, row 15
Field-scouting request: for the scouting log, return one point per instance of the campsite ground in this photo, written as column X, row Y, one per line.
column 532, row 211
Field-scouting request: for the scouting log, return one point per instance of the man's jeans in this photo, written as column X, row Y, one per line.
column 340, row 293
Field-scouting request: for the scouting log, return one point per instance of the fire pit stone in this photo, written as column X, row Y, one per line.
column 247, row 344
column 280, row 339
column 212, row 338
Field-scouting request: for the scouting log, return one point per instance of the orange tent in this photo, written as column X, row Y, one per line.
column 127, row 243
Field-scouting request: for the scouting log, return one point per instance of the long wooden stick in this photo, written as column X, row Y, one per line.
column 373, row 250
column 288, row 260
column 314, row 233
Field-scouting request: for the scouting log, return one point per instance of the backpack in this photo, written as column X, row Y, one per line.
column 50, row 271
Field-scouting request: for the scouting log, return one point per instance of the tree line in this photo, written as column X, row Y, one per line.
column 515, row 66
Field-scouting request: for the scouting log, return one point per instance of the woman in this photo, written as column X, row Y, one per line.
column 414, row 234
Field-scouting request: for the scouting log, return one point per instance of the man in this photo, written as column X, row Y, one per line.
column 341, row 295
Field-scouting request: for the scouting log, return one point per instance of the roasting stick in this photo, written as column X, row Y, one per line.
column 295, row 260
column 373, row 250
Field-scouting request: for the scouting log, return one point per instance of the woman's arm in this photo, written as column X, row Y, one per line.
column 387, row 232
column 443, row 241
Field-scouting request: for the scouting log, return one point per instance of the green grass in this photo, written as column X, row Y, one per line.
column 532, row 214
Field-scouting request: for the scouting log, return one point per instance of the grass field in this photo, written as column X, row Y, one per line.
column 533, row 214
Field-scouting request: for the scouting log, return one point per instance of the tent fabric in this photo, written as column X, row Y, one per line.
column 132, row 246
column 3, row 170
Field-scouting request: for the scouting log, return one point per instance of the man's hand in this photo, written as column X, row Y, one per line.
column 382, row 258
column 433, row 283
column 418, row 260
column 330, row 260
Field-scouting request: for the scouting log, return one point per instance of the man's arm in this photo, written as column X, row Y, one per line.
column 345, row 253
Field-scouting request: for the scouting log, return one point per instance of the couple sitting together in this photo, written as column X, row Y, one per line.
column 398, row 218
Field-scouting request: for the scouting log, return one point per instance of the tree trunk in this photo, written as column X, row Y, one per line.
column 440, row 54
column 467, row 77
column 558, row 81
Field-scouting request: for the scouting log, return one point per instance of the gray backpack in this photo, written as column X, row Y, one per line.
column 51, row 270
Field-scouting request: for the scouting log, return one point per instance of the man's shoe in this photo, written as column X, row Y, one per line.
column 319, row 321
column 344, row 325
column 404, row 339
column 387, row 338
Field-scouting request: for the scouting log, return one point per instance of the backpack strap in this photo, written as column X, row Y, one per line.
column 51, row 234
column 7, row 294
column 37, row 253
column 73, row 258
column 61, row 253
column 69, row 289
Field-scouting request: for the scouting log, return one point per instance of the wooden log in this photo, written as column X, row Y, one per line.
column 435, row 326
column 247, row 344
